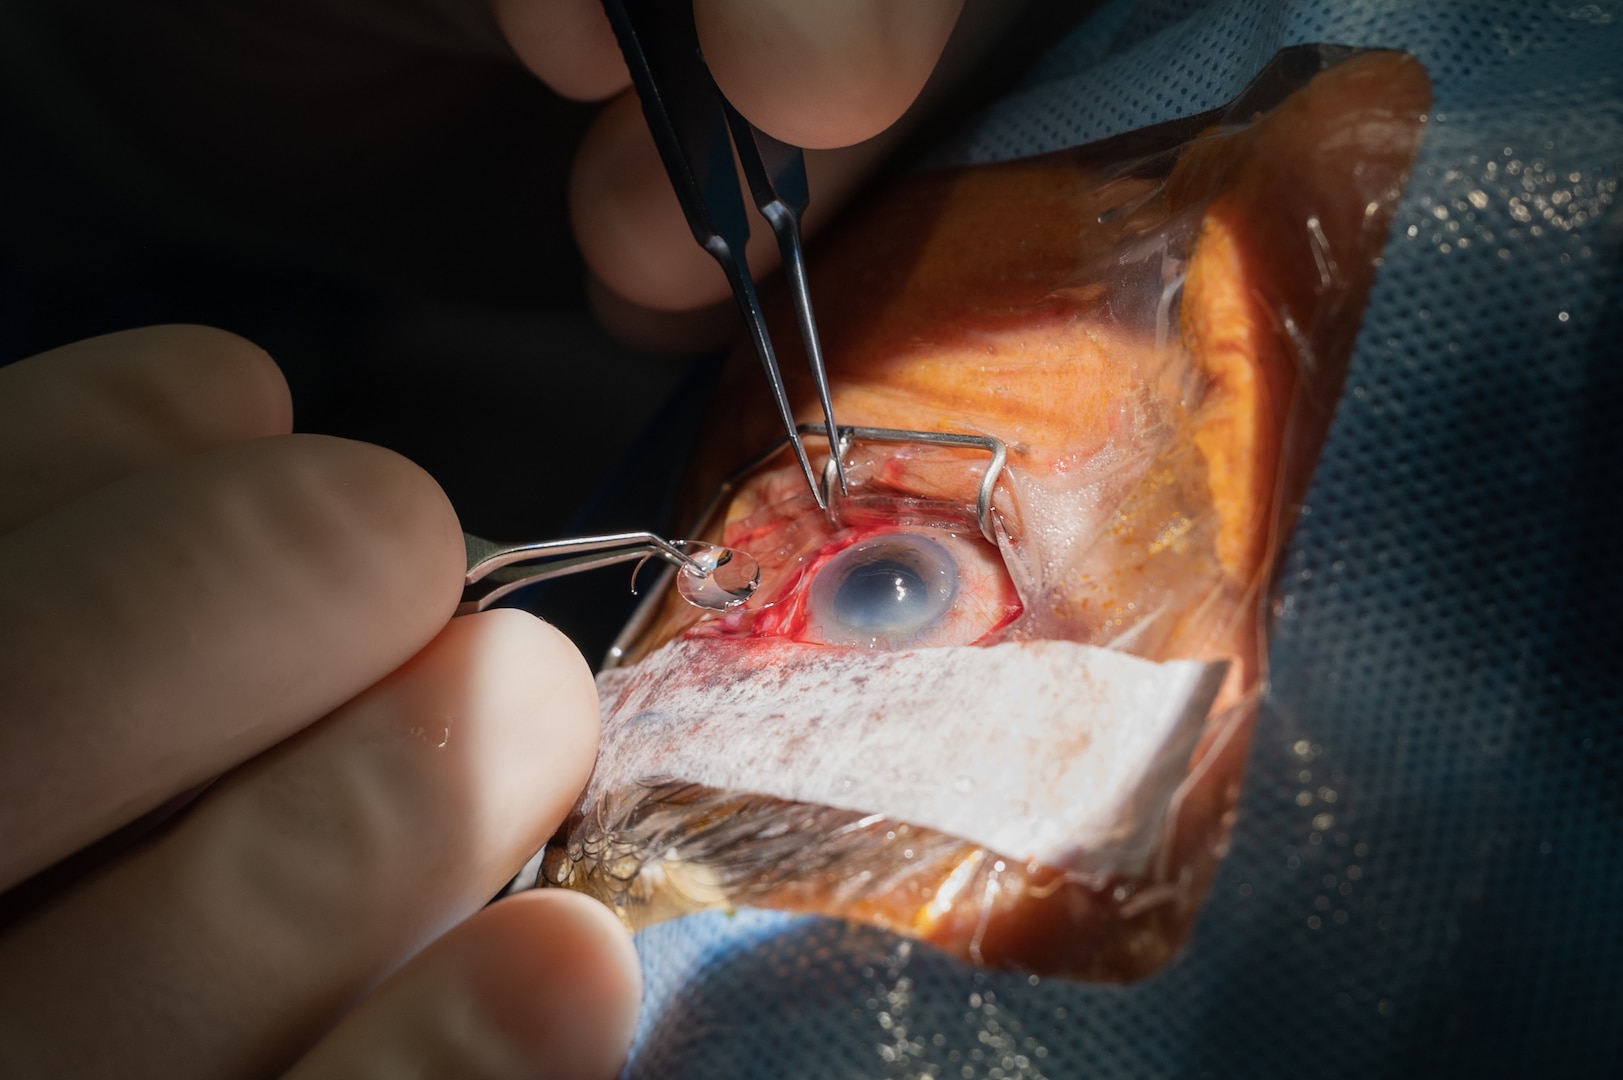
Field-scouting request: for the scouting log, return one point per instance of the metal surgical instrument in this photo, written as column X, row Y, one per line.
column 690, row 119
column 985, row 488
column 723, row 577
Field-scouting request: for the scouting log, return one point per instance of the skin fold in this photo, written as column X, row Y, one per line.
column 1160, row 442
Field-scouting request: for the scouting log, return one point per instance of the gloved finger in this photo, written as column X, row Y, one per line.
column 79, row 417
column 229, row 944
column 823, row 74
column 544, row 984
column 630, row 227
column 171, row 625
column 568, row 44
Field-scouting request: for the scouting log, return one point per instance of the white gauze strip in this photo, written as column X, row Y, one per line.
column 1041, row 749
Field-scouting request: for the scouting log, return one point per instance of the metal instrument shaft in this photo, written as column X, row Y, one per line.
column 690, row 121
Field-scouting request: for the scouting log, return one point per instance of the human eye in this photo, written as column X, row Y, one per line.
column 883, row 592
column 889, row 587
column 902, row 560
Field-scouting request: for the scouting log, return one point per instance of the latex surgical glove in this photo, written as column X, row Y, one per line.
column 411, row 139
column 826, row 76
column 187, row 592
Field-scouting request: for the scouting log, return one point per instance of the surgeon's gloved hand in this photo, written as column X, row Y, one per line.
column 411, row 138
column 186, row 592
column 822, row 75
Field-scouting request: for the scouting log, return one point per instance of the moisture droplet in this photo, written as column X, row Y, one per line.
column 721, row 578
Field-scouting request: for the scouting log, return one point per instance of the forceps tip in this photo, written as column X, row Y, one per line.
column 798, row 445
column 691, row 122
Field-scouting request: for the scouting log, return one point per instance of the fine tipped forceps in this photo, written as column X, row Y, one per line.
column 690, row 120
column 494, row 570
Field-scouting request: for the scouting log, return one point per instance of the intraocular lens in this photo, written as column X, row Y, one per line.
column 885, row 592
column 719, row 578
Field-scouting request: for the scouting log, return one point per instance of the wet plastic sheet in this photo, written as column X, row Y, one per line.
column 1162, row 319
column 911, row 741
column 1427, row 855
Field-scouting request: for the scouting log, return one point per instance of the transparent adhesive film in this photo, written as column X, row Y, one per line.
column 1020, row 742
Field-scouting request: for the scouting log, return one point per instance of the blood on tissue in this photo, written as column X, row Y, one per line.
column 781, row 612
column 711, row 669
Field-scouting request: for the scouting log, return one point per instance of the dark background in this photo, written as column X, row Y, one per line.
column 376, row 195
column 414, row 280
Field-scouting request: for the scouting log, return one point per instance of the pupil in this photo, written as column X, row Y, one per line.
column 881, row 594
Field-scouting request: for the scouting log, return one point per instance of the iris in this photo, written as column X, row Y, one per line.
column 884, row 592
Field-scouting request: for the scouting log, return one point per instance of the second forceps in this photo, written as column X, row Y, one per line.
column 690, row 119
column 721, row 577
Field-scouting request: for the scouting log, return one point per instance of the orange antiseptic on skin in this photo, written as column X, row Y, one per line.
column 986, row 300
